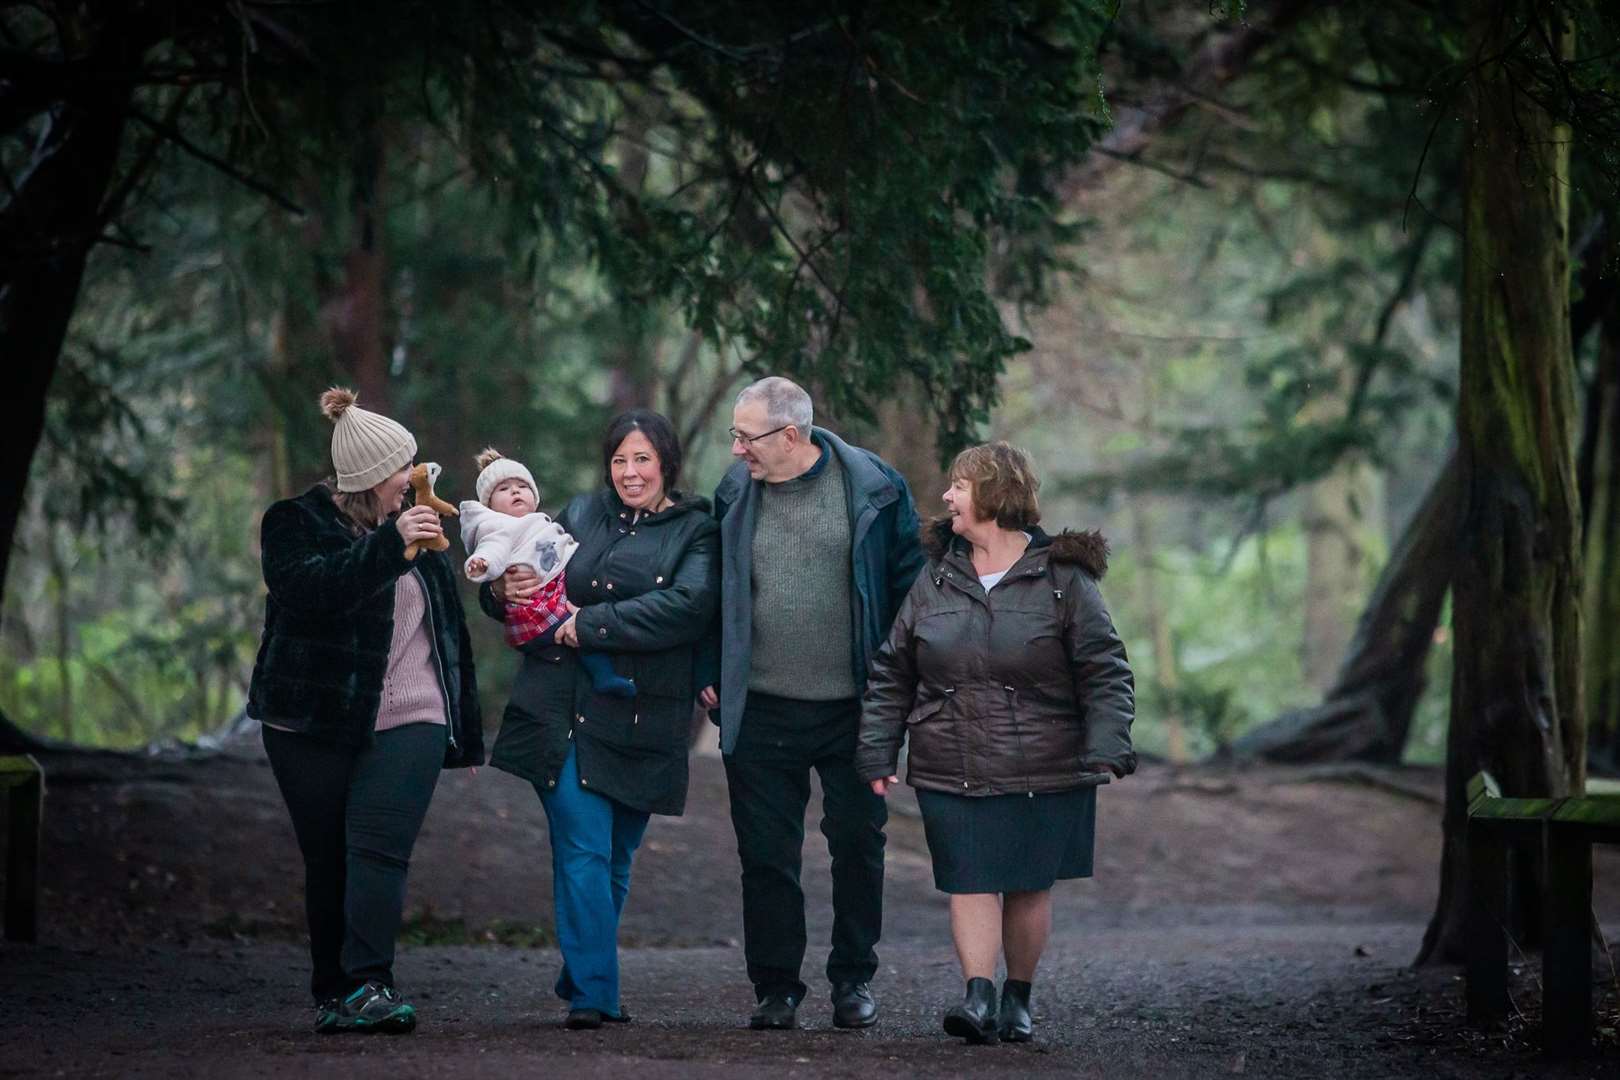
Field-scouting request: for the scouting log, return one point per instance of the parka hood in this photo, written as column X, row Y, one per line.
column 1087, row 549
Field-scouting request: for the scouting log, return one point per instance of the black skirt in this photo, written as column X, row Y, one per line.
column 1009, row 843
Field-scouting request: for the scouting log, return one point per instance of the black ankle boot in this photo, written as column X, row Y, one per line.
column 1015, row 1024
column 974, row 1019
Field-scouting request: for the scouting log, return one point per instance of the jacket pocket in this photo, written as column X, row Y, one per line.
column 667, row 673
column 525, row 747
column 647, row 721
column 927, row 711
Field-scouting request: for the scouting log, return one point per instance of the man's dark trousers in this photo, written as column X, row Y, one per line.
column 779, row 741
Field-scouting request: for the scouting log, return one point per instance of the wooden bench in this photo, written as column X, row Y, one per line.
column 1565, row 829
column 24, row 782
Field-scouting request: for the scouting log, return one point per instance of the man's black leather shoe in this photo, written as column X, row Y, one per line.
column 853, row 1005
column 777, row 1012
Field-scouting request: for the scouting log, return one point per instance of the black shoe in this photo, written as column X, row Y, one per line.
column 974, row 1019
column 1015, row 1024
column 776, row 1012
column 376, row 1008
column 853, row 1005
column 583, row 1020
column 624, row 1017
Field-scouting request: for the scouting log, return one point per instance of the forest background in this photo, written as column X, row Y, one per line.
column 1206, row 263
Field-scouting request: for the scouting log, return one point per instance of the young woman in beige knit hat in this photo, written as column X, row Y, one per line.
column 365, row 685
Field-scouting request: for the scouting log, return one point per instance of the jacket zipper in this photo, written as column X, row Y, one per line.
column 438, row 661
column 1012, row 704
column 1012, row 693
column 1018, row 733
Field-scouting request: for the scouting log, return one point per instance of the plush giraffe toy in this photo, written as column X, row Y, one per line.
column 423, row 477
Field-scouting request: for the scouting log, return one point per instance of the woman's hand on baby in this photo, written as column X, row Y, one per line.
column 516, row 585
column 418, row 523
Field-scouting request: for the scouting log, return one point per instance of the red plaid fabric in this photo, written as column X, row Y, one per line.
column 542, row 611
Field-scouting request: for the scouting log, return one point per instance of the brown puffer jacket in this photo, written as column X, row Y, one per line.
column 1022, row 689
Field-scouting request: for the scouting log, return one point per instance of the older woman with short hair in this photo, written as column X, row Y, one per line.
column 1004, row 672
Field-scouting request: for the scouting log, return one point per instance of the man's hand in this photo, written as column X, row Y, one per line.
column 708, row 698
column 880, row 786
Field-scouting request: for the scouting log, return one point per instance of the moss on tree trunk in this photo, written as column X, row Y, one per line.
column 1516, row 704
column 1602, row 546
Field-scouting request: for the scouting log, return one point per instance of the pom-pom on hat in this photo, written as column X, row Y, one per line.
column 493, row 468
column 367, row 447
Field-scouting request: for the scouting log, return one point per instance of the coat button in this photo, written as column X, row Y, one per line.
column 659, row 580
column 610, row 586
column 584, row 782
column 601, row 631
column 593, row 583
column 551, row 783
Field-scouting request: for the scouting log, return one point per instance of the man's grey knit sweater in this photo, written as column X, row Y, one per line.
column 804, row 621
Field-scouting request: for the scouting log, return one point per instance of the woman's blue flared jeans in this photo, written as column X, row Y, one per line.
column 593, row 840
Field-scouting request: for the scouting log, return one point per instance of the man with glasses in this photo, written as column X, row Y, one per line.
column 819, row 544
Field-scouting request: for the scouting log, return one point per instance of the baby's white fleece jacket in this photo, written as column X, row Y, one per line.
column 504, row 541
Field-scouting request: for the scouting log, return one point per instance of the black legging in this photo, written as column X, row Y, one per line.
column 356, row 811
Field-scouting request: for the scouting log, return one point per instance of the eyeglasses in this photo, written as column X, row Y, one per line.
column 749, row 440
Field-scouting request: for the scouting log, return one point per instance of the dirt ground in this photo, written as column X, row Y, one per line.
column 1257, row 922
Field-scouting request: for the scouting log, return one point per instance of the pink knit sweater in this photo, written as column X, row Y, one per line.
column 410, row 689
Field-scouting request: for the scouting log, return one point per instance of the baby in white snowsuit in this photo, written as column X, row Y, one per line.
column 505, row 528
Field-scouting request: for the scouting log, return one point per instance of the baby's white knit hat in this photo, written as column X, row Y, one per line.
column 367, row 447
column 493, row 468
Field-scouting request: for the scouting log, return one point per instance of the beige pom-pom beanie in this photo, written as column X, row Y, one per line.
column 367, row 447
column 493, row 468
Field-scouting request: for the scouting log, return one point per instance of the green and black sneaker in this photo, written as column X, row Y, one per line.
column 326, row 1017
column 376, row 1008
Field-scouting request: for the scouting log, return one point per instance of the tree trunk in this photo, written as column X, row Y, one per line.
column 1602, row 546
column 1166, row 677
column 1336, row 567
column 47, row 228
column 61, row 582
column 1516, row 703
column 1366, row 714
column 355, row 315
column 632, row 378
column 907, row 437
column 278, row 475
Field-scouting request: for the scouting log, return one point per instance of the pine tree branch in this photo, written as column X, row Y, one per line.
column 174, row 135
column 1214, row 66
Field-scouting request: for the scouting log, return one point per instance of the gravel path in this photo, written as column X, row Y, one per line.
column 1231, row 931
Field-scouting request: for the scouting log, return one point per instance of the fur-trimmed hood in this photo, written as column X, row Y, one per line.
column 1086, row 549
